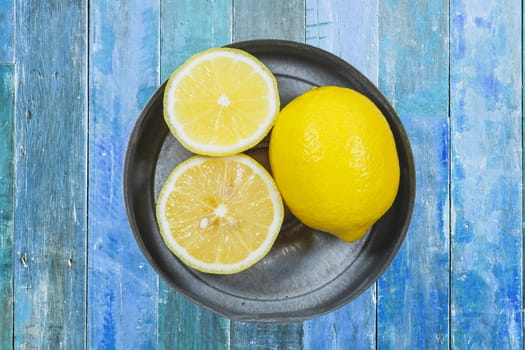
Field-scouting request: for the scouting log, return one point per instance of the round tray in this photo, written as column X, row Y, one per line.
column 307, row 272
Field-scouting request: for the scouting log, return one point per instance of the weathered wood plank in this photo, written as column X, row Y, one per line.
column 7, row 204
column 124, row 73
column 355, row 39
column 183, row 325
column 50, row 165
column 270, row 19
column 7, row 31
column 486, row 117
column 353, row 325
column 273, row 336
column 413, row 294
column 348, row 29
column 184, row 33
column 255, row 19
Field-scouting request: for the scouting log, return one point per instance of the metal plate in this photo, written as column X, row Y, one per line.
column 307, row 273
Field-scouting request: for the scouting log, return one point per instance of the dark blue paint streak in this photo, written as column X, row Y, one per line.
column 108, row 342
column 458, row 26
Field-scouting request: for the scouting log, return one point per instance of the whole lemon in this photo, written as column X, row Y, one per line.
column 334, row 159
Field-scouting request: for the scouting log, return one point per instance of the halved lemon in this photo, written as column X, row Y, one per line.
column 219, row 214
column 221, row 101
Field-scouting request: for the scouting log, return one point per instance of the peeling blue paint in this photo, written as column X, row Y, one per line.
column 486, row 177
column 125, row 42
column 405, row 47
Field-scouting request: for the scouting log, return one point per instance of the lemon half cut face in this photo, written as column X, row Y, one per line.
column 219, row 214
column 221, row 101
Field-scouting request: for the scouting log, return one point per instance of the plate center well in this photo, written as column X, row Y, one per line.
column 301, row 261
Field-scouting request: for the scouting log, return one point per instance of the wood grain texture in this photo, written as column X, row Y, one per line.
column 124, row 73
column 50, row 160
column 7, row 204
column 7, row 31
column 487, row 240
column 255, row 19
column 183, row 325
column 184, row 34
column 269, row 19
column 71, row 274
column 348, row 29
column 273, row 336
column 351, row 325
column 355, row 39
column 413, row 293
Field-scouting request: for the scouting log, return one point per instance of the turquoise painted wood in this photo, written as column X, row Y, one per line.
column 263, row 336
column 183, row 325
column 486, row 163
column 50, row 167
column 7, row 203
column 413, row 294
column 124, row 73
column 74, row 75
column 184, row 34
column 355, row 39
column 270, row 19
column 7, row 31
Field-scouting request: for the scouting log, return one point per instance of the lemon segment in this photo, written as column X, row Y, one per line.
column 334, row 159
column 219, row 215
column 221, row 101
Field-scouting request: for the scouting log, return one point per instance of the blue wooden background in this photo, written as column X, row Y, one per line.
column 74, row 75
